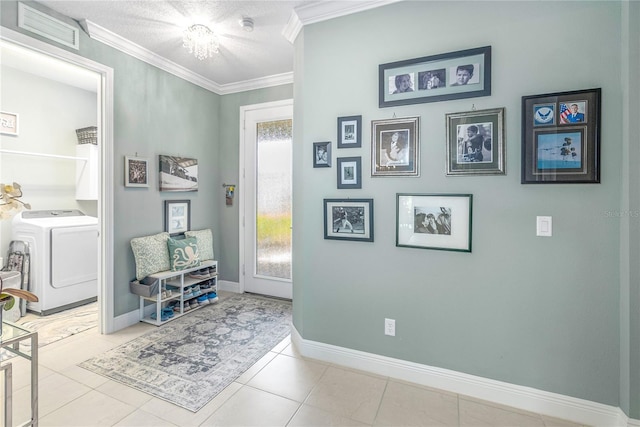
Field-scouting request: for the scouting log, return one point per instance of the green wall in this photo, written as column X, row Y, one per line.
column 527, row 310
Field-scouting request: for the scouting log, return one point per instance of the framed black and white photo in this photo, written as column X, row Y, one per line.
column 434, row 221
column 475, row 142
column 395, row 146
column 561, row 138
column 349, row 172
column 350, row 132
column 178, row 173
column 177, row 216
column 136, row 172
column 442, row 77
column 322, row 154
column 8, row 123
column 348, row 219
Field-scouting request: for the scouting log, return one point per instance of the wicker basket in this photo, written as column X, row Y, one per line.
column 87, row 135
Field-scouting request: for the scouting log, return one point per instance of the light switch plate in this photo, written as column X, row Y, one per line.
column 543, row 226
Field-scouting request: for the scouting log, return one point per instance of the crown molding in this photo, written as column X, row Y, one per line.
column 324, row 10
column 263, row 82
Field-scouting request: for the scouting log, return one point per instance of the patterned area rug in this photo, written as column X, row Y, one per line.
column 188, row 361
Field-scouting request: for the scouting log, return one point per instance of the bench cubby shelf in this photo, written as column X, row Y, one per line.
column 177, row 282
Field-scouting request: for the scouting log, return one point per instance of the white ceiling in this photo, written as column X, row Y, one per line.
column 152, row 30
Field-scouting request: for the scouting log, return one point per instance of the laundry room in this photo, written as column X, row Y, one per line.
column 57, row 169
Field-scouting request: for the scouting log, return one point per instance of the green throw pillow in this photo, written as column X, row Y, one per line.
column 150, row 253
column 205, row 242
column 183, row 253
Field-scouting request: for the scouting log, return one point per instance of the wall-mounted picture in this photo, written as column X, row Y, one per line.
column 322, row 154
column 395, row 146
column 475, row 143
column 561, row 138
column 8, row 124
column 177, row 216
column 136, row 172
column 349, row 172
column 348, row 219
column 178, row 173
column 434, row 221
column 350, row 132
column 442, row 77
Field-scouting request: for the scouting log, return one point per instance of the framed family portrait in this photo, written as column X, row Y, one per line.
column 178, row 173
column 395, row 146
column 348, row 219
column 349, row 172
column 136, row 172
column 322, row 154
column 350, row 132
column 476, row 143
column 434, row 221
column 8, row 123
column 442, row 77
column 177, row 216
column 561, row 138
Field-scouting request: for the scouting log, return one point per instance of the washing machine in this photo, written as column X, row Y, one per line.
column 63, row 248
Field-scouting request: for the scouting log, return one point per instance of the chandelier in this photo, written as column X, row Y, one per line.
column 200, row 41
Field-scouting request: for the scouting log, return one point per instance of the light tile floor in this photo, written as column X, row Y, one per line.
column 282, row 389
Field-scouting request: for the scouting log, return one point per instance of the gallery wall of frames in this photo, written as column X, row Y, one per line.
column 560, row 144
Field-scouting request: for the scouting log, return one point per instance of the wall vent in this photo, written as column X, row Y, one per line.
column 44, row 25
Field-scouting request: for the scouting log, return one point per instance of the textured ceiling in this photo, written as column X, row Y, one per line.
column 157, row 26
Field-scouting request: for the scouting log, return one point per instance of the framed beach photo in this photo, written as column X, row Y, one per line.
column 349, row 172
column 395, row 147
column 350, row 132
column 136, row 172
column 561, row 138
column 442, row 77
column 434, row 221
column 322, row 154
column 476, row 143
column 348, row 219
column 178, row 173
column 177, row 216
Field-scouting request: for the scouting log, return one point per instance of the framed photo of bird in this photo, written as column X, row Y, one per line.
column 561, row 138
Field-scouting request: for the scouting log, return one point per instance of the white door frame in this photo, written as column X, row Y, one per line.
column 241, row 202
column 106, row 321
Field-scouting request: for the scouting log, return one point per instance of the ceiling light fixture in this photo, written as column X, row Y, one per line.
column 247, row 24
column 200, row 41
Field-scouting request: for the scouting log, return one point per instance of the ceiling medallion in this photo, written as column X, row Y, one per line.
column 200, row 41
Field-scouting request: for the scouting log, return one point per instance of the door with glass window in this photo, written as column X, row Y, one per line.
column 266, row 141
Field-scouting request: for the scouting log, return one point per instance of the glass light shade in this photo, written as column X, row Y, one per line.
column 200, row 41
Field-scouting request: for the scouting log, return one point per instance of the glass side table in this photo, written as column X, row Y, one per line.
column 10, row 339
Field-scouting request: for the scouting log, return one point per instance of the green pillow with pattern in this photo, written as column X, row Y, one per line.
column 183, row 253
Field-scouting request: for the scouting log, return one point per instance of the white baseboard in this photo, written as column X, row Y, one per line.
column 125, row 320
column 225, row 285
column 526, row 398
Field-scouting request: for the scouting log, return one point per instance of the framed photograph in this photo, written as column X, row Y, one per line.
column 442, row 77
column 178, row 173
column 136, row 172
column 8, row 123
column 350, row 132
column 395, row 146
column 475, row 143
column 322, row 154
column 434, row 221
column 561, row 138
column 348, row 219
column 349, row 172
column 177, row 216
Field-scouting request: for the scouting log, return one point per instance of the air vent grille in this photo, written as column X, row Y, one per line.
column 44, row 25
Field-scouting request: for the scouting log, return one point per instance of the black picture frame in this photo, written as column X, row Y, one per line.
column 177, row 216
column 434, row 221
column 349, row 171
column 560, row 145
column 395, row 147
column 435, row 78
column 348, row 219
column 350, row 132
column 322, row 154
column 476, row 142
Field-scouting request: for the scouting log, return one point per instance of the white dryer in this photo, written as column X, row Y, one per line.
column 63, row 246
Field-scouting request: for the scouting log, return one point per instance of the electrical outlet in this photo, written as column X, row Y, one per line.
column 390, row 327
